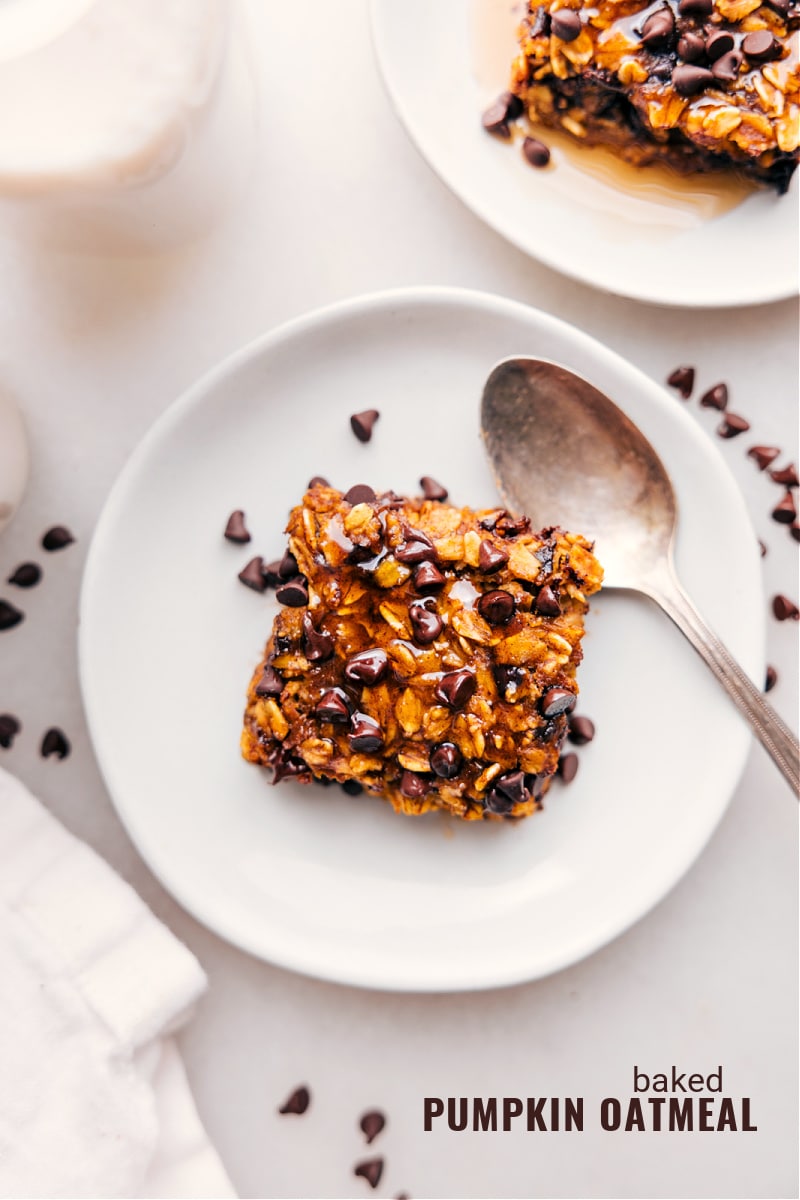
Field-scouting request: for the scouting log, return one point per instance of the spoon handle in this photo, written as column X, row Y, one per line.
column 771, row 731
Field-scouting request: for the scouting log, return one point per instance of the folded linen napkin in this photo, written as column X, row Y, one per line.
column 94, row 1101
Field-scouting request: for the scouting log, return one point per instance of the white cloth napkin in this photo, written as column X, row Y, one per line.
column 94, row 1101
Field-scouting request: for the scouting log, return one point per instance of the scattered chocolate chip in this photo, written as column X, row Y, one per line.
column 293, row 593
column 287, row 567
column 546, row 603
column 235, row 530
column 362, row 423
column 784, row 609
column 557, row 700
column 510, row 526
column 371, row 1170
column 682, row 378
column 9, row 615
column 413, row 785
column 508, row 791
column 333, row 705
column 491, row 558
column 692, row 48
column 566, row 24
column 317, row 643
column 317, row 481
column 771, row 679
column 270, row 683
column 689, row 80
column 272, row 576
column 718, row 42
column 351, row 787
column 55, row 742
column 57, row 538
column 761, row 46
column 9, row 728
column 425, row 622
column 428, row 577
column 715, row 397
column 495, row 119
column 456, row 688
column 445, row 760
column 297, row 1103
column 763, row 455
column 732, row 426
column 786, row 476
column 508, row 679
column 371, row 1124
column 695, row 8
column 366, row 735
column 581, row 730
column 659, row 29
column 762, row 548
column 785, row 512
column 568, row 767
column 367, row 667
column 253, row 575
column 417, row 548
column 536, row 152
column 496, row 607
column 726, row 68
column 432, row 490
column 27, row 575
column 360, row 493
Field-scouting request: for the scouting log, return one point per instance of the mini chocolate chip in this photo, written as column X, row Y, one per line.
column 235, row 530
column 510, row 526
column 732, row 426
column 689, row 80
column 546, row 603
column 445, row 760
column 351, row 787
column 413, row 785
column 490, row 522
column 536, row 152
column 715, row 397
column 417, row 548
column 761, row 46
column 272, row 576
column 362, row 423
column 9, row 615
column 371, row 1124
column 491, row 558
column 557, row 700
column 785, row 512
column 317, row 643
column 9, row 728
column 56, row 742
column 57, row 538
column 581, row 730
column 771, row 679
column 718, row 42
column 726, row 69
column 762, row 548
column 568, row 767
column 293, row 593
column 297, row 1103
column 496, row 607
column 252, row 575
column 566, row 24
column 682, row 378
column 695, row 8
column 368, row 667
column 425, row 622
column 287, row 568
column 456, row 688
column 498, row 803
column 508, row 679
column 366, row 735
column 784, row 609
column 786, row 476
column 692, row 48
column 27, row 575
column 370, row 1169
column 317, row 481
column 289, row 767
column 432, row 490
column 763, row 455
column 270, row 683
column 495, row 119
column 513, row 787
column 659, row 29
column 428, row 577
column 333, row 705
column 360, row 493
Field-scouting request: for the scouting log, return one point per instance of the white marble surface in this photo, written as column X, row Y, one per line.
column 93, row 349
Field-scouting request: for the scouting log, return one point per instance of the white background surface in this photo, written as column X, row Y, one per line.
column 339, row 203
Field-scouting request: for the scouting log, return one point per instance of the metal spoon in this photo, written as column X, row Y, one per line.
column 561, row 449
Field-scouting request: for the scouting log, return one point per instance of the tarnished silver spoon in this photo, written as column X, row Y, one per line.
column 561, row 450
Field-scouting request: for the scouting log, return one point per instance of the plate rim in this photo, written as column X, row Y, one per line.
column 351, row 308
column 778, row 293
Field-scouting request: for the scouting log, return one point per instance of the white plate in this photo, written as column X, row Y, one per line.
column 638, row 245
column 341, row 887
